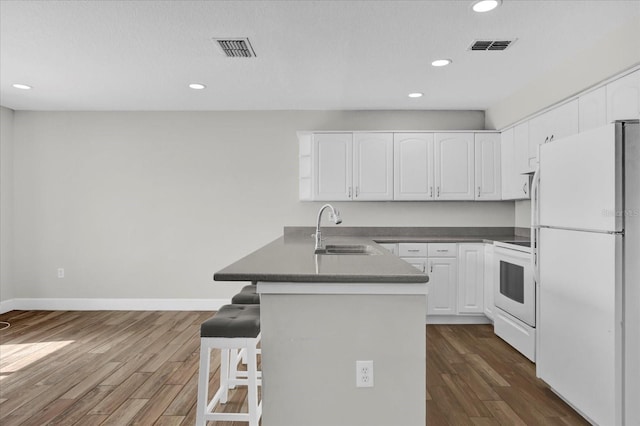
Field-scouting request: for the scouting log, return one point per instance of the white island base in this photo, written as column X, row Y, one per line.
column 312, row 336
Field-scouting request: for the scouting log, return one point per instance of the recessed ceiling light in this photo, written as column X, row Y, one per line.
column 22, row 86
column 416, row 95
column 485, row 5
column 197, row 86
column 441, row 62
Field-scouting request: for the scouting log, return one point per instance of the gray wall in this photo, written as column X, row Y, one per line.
column 6, row 203
column 523, row 214
column 151, row 204
column 612, row 55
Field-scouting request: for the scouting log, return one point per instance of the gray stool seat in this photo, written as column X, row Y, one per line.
column 247, row 296
column 233, row 321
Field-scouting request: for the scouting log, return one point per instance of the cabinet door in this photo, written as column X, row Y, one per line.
column 564, row 121
column 441, row 299
column 523, row 162
column 487, row 166
column 419, row 263
column 413, row 171
column 515, row 186
column 592, row 109
column 471, row 278
column 539, row 132
column 488, row 281
column 332, row 174
column 391, row 247
column 454, row 166
column 305, row 167
column 554, row 124
column 373, row 166
column 623, row 98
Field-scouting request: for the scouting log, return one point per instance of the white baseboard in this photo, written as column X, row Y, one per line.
column 458, row 319
column 7, row 305
column 112, row 304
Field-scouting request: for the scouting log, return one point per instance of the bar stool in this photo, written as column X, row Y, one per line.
column 232, row 328
column 247, row 296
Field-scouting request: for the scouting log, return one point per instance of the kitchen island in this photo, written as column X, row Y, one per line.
column 320, row 313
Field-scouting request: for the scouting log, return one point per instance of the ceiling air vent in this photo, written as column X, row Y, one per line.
column 490, row 44
column 236, row 47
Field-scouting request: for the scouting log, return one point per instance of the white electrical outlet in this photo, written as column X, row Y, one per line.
column 364, row 374
column 60, row 272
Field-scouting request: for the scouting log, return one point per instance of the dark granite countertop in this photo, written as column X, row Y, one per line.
column 291, row 258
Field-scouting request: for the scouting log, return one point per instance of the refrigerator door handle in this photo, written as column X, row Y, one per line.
column 535, row 215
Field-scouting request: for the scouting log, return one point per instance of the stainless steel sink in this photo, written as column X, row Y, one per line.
column 348, row 249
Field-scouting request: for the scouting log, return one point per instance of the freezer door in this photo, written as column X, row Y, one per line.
column 580, row 349
column 580, row 181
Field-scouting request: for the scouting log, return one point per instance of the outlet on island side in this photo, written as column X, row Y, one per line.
column 364, row 374
column 60, row 272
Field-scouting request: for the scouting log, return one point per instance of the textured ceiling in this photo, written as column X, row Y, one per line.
column 141, row 55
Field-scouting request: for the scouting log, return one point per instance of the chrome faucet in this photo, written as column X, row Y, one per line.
column 318, row 235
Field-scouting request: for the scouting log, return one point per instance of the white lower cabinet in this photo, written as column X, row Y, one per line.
column 391, row 247
column 457, row 275
column 442, row 273
column 471, row 278
column 489, row 303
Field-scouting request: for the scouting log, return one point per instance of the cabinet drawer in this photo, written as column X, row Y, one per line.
column 442, row 250
column 412, row 249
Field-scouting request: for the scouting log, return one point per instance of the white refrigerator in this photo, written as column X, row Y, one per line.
column 586, row 257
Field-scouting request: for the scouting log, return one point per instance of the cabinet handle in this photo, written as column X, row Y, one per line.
column 413, row 250
column 431, row 192
column 357, row 191
column 438, row 192
column 546, row 139
column 431, row 270
column 349, row 192
column 478, row 192
column 524, row 188
column 442, row 251
column 550, row 139
column 424, row 268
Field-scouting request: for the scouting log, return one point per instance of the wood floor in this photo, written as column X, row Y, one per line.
column 122, row 368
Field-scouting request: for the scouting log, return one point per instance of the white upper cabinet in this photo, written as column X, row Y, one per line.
column 623, row 98
column 487, row 166
column 413, row 166
column 454, row 166
column 553, row 125
column 524, row 163
column 332, row 166
column 593, row 109
column 515, row 186
column 372, row 166
column 471, row 278
column 349, row 166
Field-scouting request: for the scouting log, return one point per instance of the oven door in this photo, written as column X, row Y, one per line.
column 514, row 288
